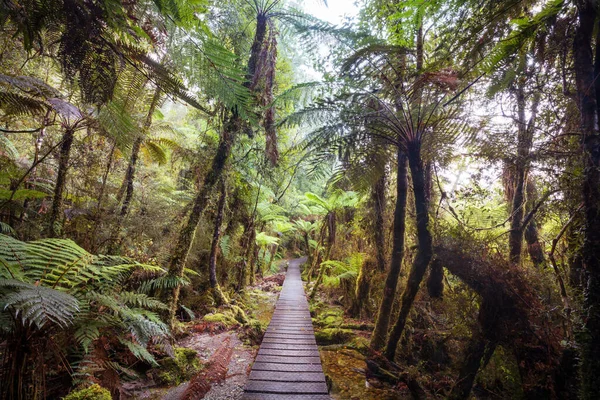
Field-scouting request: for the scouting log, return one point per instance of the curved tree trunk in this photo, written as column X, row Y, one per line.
column 389, row 292
column 55, row 227
column 212, row 263
column 424, row 252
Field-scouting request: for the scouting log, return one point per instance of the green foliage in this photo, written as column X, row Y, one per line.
column 53, row 285
column 93, row 392
column 182, row 367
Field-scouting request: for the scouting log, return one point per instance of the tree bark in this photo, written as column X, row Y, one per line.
column 378, row 196
column 361, row 292
column 424, row 252
column 186, row 236
column 212, row 261
column 389, row 292
column 534, row 247
column 130, row 174
column 55, row 227
column 524, row 143
column 584, row 76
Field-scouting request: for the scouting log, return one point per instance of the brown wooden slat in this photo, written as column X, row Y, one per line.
column 287, row 376
column 277, row 396
column 286, row 387
column 270, row 366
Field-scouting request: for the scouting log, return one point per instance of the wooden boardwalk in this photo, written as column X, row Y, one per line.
column 288, row 365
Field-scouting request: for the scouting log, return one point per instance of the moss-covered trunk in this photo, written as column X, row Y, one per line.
column 389, row 292
column 186, row 236
column 137, row 144
column 54, row 227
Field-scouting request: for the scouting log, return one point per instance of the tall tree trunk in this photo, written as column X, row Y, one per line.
column 378, row 198
column 186, row 236
column 212, row 263
column 524, row 143
column 389, row 292
column 130, row 174
column 55, row 227
column 584, row 75
column 246, row 243
column 424, row 252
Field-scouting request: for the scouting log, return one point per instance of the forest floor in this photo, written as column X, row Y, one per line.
column 340, row 340
column 206, row 337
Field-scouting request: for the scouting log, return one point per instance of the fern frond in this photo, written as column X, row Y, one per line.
column 38, row 305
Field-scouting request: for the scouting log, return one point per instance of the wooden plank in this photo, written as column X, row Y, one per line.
column 288, row 346
column 271, row 366
column 288, row 353
column 288, row 396
column 288, row 360
column 286, row 387
column 284, row 376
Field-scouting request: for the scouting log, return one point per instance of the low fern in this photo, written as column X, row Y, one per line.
column 52, row 290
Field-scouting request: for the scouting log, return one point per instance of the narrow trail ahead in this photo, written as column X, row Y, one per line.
column 288, row 365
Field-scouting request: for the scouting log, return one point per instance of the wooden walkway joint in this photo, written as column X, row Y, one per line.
column 288, row 365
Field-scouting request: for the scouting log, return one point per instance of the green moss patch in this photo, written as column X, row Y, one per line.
column 178, row 369
column 94, row 392
column 329, row 336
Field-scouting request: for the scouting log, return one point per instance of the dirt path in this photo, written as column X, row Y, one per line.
column 261, row 304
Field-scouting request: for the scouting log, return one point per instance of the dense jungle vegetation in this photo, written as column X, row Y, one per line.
column 437, row 162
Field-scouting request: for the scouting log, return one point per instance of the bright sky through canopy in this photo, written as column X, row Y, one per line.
column 333, row 12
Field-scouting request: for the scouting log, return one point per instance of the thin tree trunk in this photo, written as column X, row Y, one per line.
column 389, row 292
column 130, row 174
column 534, row 247
column 307, row 245
column 361, row 292
column 378, row 196
column 524, row 143
column 186, row 236
column 212, row 263
column 424, row 252
column 61, row 178
column 584, row 76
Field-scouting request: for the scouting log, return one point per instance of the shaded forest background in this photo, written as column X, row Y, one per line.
column 440, row 174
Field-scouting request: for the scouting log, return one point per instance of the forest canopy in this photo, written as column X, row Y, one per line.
column 436, row 163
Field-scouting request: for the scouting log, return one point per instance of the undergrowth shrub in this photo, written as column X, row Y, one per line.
column 67, row 314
